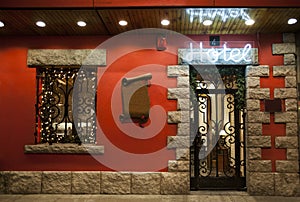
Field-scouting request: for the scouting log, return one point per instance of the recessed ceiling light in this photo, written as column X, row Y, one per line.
column 207, row 22
column 81, row 23
column 292, row 21
column 249, row 22
column 123, row 22
column 1, row 24
column 40, row 24
column 165, row 22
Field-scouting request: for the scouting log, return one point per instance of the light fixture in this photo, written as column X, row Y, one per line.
column 1, row 24
column 249, row 22
column 165, row 22
column 40, row 24
column 207, row 22
column 292, row 21
column 81, row 23
column 123, row 22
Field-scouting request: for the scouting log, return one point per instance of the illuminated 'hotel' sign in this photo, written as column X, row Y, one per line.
column 212, row 13
column 218, row 56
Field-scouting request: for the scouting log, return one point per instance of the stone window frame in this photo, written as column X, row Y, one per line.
column 65, row 58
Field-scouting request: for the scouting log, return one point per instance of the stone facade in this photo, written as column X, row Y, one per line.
column 177, row 179
column 93, row 182
column 262, row 178
column 71, row 57
column 64, row 149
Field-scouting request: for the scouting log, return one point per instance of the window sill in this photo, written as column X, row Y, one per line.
column 63, row 149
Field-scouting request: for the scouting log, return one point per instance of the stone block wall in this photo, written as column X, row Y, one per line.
column 92, row 182
column 278, row 174
column 181, row 141
column 175, row 181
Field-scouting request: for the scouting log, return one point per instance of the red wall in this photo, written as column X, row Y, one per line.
column 134, row 3
column 17, row 99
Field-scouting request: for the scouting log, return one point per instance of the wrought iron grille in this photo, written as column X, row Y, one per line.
column 218, row 150
column 54, row 106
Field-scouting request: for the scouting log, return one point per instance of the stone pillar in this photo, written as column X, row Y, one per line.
column 286, row 176
column 260, row 180
column 176, row 181
column 273, row 175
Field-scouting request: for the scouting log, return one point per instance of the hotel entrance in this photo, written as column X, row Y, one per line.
column 218, row 143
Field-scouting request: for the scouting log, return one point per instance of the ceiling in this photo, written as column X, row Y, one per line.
column 105, row 21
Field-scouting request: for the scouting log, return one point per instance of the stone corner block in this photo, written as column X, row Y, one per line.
column 258, row 117
column 290, row 82
column 291, row 105
column 286, row 70
column 252, row 82
column 66, row 57
column 259, row 141
column 257, row 71
column 115, row 183
column 86, row 182
column 284, row 93
column 261, row 183
column 178, row 70
column 289, row 59
column 183, row 82
column 254, row 154
column 58, row 148
column 283, row 48
column 258, row 93
column 54, row 182
column 174, row 142
column 260, row 165
column 286, row 166
column 253, row 105
column 178, row 117
column 291, row 129
column 286, row 117
column 24, row 182
column 287, row 184
column 146, row 183
column 175, row 183
column 178, row 166
column 183, row 154
column 178, row 93
column 254, row 129
column 289, row 142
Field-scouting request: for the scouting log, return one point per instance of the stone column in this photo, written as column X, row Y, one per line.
column 268, row 176
column 176, row 181
column 260, row 180
column 286, row 176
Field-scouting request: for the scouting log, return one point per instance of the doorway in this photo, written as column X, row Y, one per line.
column 217, row 149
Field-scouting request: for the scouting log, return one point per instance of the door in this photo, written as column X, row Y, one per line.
column 217, row 140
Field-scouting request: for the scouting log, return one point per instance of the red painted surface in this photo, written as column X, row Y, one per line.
column 143, row 3
column 17, row 99
column 257, row 3
column 46, row 4
column 273, row 153
column 136, row 3
column 272, row 129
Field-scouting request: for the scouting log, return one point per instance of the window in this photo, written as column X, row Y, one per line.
column 55, row 109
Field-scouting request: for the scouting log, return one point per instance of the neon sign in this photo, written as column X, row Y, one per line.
column 223, row 55
column 223, row 13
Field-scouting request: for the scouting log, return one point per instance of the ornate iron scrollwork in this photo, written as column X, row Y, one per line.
column 221, row 129
column 54, row 122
